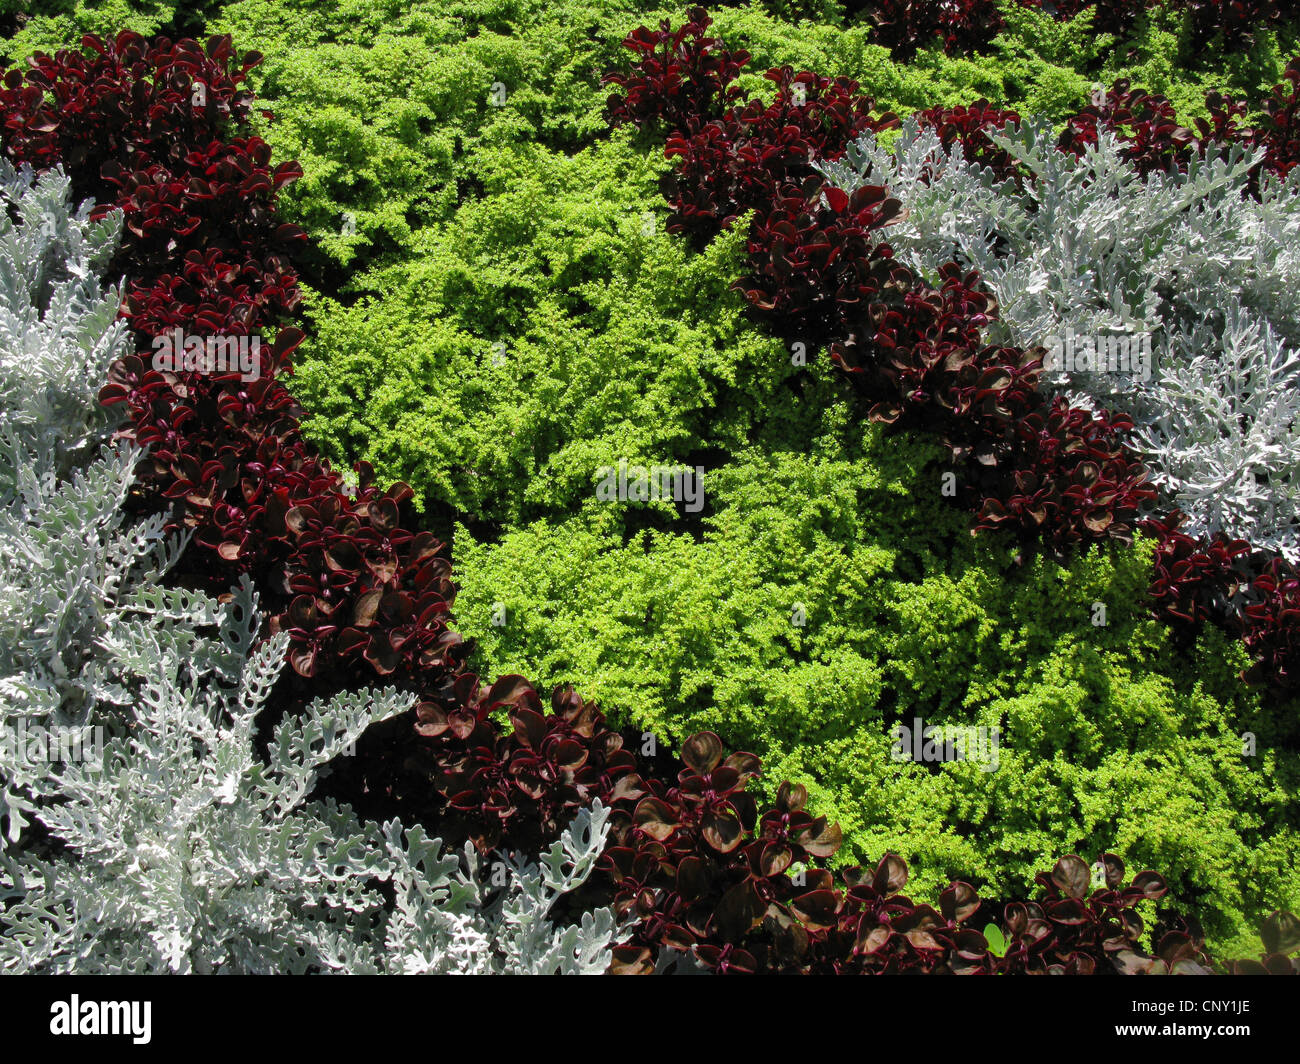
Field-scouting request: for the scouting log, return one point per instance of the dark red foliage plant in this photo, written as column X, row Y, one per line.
column 1229, row 20
column 124, row 101
column 905, row 26
column 969, row 127
column 816, row 261
column 1108, row 16
column 964, row 26
column 1076, row 929
column 1280, row 933
column 1279, row 130
column 525, row 781
column 1272, row 625
column 1253, row 594
column 682, row 77
column 759, row 155
column 1147, row 124
column 1074, row 479
column 1196, row 580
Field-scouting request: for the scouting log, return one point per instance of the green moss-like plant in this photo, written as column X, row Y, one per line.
column 1112, row 737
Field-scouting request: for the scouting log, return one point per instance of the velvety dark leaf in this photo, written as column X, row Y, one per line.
column 702, row 752
column 1072, row 876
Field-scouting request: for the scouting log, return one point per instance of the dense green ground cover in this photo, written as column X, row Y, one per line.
column 496, row 312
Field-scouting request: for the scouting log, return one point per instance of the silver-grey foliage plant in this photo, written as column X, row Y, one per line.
column 1207, row 274
column 144, row 829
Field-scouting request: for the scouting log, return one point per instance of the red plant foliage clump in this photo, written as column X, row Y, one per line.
column 759, row 154
column 1229, row 20
column 681, row 77
column 964, row 26
column 905, row 26
column 969, row 126
column 1196, row 580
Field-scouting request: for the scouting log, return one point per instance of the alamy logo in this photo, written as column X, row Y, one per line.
column 178, row 352
column 1099, row 354
column 946, row 742
column 36, row 745
column 637, row 483
column 102, row 1017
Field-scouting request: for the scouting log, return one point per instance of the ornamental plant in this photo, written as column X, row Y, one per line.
column 277, row 906
column 903, row 26
column 1152, row 139
column 703, row 872
column 1229, row 20
column 820, row 273
column 682, row 77
column 758, row 155
column 168, row 840
column 1219, row 443
column 540, row 765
